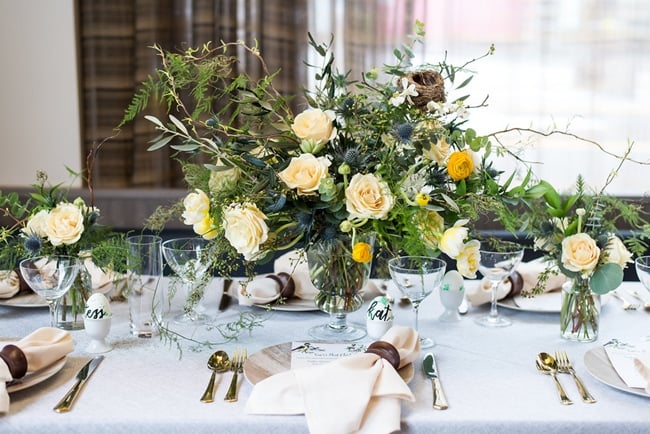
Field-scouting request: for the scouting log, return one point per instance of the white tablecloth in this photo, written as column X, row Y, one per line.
column 489, row 375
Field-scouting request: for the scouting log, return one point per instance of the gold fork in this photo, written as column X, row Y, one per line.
column 564, row 366
column 644, row 304
column 239, row 357
column 626, row 304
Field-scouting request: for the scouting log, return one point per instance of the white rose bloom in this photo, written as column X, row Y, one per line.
column 468, row 259
column 305, row 173
column 315, row 125
column 616, row 252
column 453, row 239
column 36, row 225
column 368, row 197
column 65, row 224
column 197, row 207
column 245, row 229
column 580, row 253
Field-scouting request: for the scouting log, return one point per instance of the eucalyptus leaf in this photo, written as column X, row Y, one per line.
column 605, row 278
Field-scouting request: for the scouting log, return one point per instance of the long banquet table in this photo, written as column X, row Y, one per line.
column 489, row 376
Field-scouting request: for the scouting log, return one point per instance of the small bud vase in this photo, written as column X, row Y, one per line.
column 580, row 311
column 71, row 307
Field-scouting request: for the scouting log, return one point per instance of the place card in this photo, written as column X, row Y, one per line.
column 621, row 355
column 306, row 353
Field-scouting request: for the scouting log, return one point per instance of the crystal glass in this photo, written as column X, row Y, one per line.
column 416, row 277
column 498, row 260
column 50, row 277
column 642, row 265
column 189, row 259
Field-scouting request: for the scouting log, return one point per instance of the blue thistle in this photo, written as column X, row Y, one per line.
column 33, row 244
column 404, row 131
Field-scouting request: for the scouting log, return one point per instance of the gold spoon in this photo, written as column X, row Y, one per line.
column 547, row 365
column 218, row 363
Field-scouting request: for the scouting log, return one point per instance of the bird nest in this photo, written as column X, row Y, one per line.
column 429, row 85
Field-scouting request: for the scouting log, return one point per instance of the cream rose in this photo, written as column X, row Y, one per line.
column 580, row 253
column 438, row 152
column 65, row 224
column 368, row 197
column 468, row 259
column 245, row 228
column 36, row 225
column 616, row 252
column 315, row 125
column 453, row 239
column 197, row 207
column 305, row 173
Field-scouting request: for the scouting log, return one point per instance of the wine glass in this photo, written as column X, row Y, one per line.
column 189, row 258
column 50, row 277
column 416, row 277
column 642, row 265
column 498, row 260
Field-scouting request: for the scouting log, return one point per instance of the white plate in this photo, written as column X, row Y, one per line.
column 32, row 299
column 32, row 378
column 277, row 358
column 599, row 366
column 548, row 302
column 291, row 305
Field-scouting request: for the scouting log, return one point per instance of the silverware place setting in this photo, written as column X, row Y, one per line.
column 561, row 364
column 237, row 367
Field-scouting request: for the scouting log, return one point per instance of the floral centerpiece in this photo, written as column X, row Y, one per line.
column 48, row 224
column 578, row 234
column 387, row 155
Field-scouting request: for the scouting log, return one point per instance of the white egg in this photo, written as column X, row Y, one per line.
column 98, row 307
column 380, row 309
column 453, row 281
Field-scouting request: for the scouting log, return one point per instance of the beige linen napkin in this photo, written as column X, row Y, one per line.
column 9, row 283
column 360, row 393
column 42, row 347
column 642, row 364
column 528, row 271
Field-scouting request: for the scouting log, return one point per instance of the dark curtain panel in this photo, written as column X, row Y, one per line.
column 115, row 59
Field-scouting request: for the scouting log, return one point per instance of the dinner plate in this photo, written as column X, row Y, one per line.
column 548, row 302
column 599, row 366
column 277, row 358
column 291, row 305
column 32, row 378
column 30, row 299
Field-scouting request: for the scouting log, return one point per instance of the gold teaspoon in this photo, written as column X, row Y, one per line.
column 218, row 363
column 546, row 364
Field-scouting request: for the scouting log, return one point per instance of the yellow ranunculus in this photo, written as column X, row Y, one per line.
column 430, row 225
column 315, row 125
column 368, row 197
column 245, row 228
column 580, row 253
column 65, row 224
column 452, row 240
column 468, row 259
column 206, row 228
column 460, row 165
column 305, row 173
column 197, row 207
column 362, row 252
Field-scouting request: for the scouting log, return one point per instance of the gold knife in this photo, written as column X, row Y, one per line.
column 84, row 374
column 430, row 369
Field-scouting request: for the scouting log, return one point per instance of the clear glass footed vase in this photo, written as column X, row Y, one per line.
column 580, row 311
column 70, row 308
column 340, row 278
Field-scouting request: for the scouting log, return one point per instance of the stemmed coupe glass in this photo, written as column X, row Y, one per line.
column 642, row 265
column 416, row 277
column 189, row 258
column 498, row 260
column 50, row 277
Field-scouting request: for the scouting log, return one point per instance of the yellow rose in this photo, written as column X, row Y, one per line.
column 438, row 152
column 368, row 197
column 430, row 224
column 305, row 173
column 206, row 228
column 315, row 125
column 36, row 224
column 362, row 252
column 65, row 224
column 222, row 180
column 453, row 239
column 468, row 259
column 245, row 228
column 616, row 252
column 197, row 207
column 460, row 165
column 580, row 253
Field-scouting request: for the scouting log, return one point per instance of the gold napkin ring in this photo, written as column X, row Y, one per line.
column 15, row 360
column 385, row 350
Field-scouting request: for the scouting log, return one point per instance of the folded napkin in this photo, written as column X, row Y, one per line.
column 41, row 348
column 642, row 364
column 523, row 280
column 359, row 393
column 265, row 289
column 9, row 283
